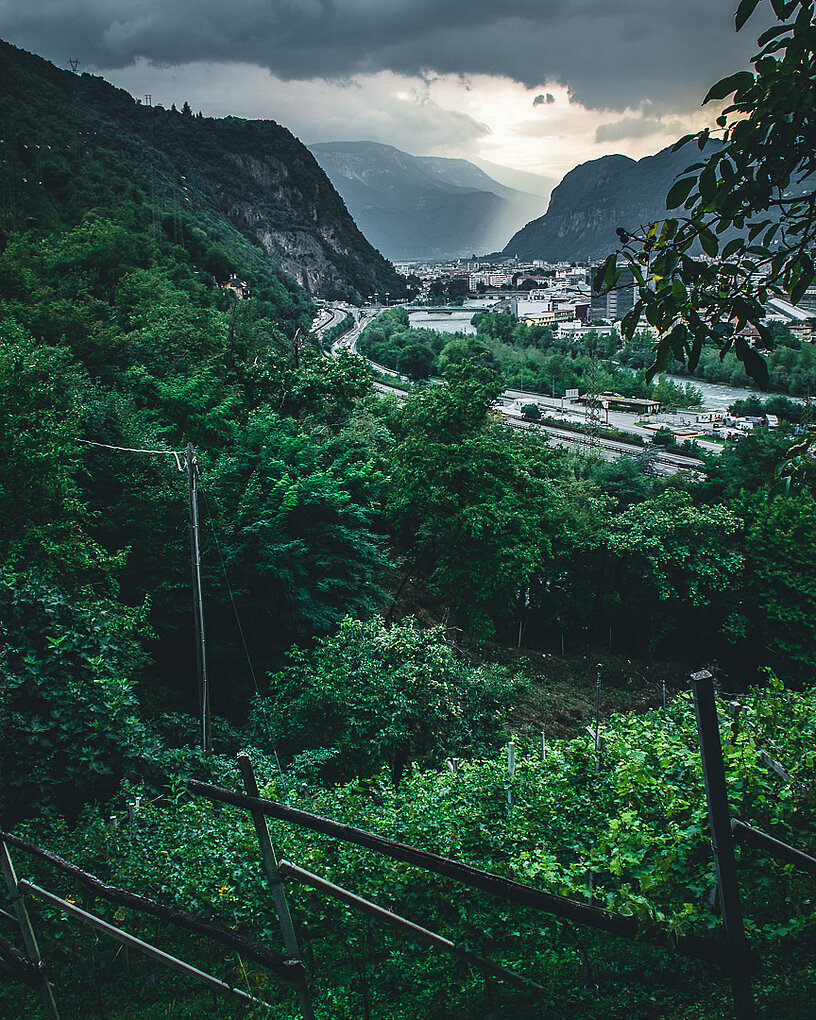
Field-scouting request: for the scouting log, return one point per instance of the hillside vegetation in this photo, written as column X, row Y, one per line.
column 391, row 591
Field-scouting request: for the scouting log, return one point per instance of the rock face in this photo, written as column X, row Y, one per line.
column 596, row 198
column 423, row 207
column 254, row 174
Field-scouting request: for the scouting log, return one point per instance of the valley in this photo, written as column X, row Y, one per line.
column 410, row 641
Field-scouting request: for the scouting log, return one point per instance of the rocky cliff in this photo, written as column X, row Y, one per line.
column 254, row 176
column 596, row 198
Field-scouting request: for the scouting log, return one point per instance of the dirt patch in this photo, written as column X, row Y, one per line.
column 560, row 697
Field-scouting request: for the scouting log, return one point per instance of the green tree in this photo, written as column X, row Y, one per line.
column 532, row 412
column 45, row 523
column 462, row 501
column 780, row 586
column 677, row 565
column 463, row 349
column 628, row 480
column 746, row 466
column 417, row 362
column 301, row 550
column 372, row 695
column 748, row 204
column 68, row 710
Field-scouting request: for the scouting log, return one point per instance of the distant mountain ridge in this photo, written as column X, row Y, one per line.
column 415, row 207
column 596, row 198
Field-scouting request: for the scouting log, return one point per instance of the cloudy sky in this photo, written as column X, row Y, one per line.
column 535, row 85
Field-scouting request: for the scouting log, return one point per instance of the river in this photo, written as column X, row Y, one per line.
column 718, row 396
column 457, row 322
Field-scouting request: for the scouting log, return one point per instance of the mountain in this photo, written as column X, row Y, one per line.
column 423, row 207
column 519, row 180
column 596, row 198
column 73, row 142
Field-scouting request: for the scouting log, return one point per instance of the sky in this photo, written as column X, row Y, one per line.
column 534, row 85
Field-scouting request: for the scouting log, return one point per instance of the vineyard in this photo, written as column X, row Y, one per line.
column 576, row 879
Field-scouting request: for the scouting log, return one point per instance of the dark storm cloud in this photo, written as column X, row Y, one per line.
column 610, row 53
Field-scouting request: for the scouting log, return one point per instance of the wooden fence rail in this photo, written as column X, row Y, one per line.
column 698, row 947
column 145, row 948
column 776, row 848
column 289, row 970
column 412, row 930
column 18, row 963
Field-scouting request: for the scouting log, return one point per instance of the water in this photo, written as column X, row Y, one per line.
column 457, row 322
column 718, row 396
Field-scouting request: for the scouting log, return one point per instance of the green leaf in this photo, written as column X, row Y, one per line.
column 783, row 8
column 772, row 33
column 744, row 12
column 725, row 86
column 630, row 320
column 709, row 242
column 679, row 192
column 799, row 288
column 755, row 365
column 733, row 246
column 708, row 183
column 605, row 270
column 681, row 142
column 668, row 231
column 677, row 341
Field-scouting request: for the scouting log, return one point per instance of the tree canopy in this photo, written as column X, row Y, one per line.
column 746, row 211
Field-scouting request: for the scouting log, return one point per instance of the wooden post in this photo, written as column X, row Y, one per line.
column 27, row 932
column 722, row 842
column 598, row 719
column 511, row 770
column 270, row 864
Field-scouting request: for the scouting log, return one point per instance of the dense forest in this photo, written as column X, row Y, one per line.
column 392, row 590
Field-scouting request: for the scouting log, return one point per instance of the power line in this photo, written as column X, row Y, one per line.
column 130, row 449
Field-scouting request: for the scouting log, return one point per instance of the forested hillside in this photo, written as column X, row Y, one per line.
column 390, row 591
column 73, row 143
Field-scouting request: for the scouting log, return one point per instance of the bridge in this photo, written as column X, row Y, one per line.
column 447, row 309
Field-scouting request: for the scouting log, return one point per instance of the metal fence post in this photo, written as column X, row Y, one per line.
column 722, row 842
column 270, row 864
column 27, row 932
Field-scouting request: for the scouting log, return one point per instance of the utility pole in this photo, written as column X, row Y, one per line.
column 198, row 604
